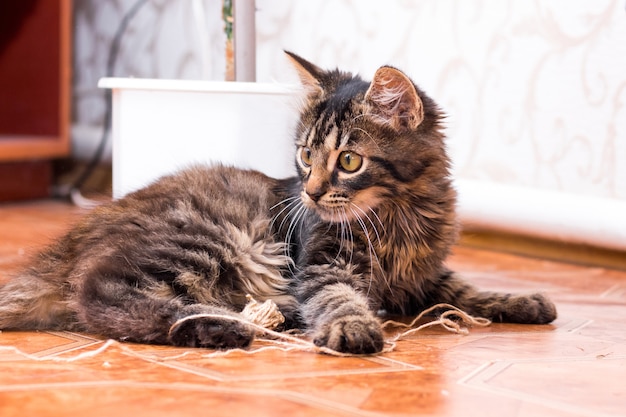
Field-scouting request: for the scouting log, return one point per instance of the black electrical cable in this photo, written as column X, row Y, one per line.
column 112, row 58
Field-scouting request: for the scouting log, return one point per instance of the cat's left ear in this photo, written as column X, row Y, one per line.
column 310, row 74
column 393, row 99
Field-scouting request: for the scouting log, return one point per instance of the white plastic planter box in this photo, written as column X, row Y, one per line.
column 161, row 126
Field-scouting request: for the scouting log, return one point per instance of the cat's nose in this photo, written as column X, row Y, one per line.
column 316, row 187
column 315, row 194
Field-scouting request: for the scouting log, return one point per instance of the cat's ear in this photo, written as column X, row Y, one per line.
column 310, row 74
column 393, row 99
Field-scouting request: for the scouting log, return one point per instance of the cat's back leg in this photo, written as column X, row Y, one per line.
column 115, row 303
column 534, row 308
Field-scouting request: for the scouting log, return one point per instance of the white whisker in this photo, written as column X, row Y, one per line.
column 293, row 224
column 284, row 201
column 347, row 232
column 293, row 201
column 340, row 234
column 293, row 206
column 372, row 252
column 382, row 226
column 345, row 215
column 296, row 220
column 371, row 222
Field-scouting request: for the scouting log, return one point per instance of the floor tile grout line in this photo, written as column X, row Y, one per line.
column 209, row 374
column 75, row 346
column 479, row 379
column 608, row 292
column 574, row 325
column 581, row 326
column 74, row 335
column 560, row 359
column 76, row 341
column 128, row 351
column 533, row 399
column 221, row 377
column 488, row 373
column 476, row 372
column 329, row 405
column 380, row 359
column 293, row 396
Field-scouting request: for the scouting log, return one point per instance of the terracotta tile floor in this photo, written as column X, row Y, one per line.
column 575, row 367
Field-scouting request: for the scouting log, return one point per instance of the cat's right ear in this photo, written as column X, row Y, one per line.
column 394, row 100
column 310, row 74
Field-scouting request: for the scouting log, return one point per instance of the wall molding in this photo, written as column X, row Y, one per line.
column 553, row 215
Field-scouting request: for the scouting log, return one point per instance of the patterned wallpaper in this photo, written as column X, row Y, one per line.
column 535, row 91
column 180, row 39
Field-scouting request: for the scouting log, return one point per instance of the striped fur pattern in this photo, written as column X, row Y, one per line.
column 366, row 225
column 378, row 233
column 195, row 242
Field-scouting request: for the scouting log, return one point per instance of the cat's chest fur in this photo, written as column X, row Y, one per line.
column 403, row 250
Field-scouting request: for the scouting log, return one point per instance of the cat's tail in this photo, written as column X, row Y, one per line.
column 28, row 302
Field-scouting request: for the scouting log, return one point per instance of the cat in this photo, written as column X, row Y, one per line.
column 366, row 225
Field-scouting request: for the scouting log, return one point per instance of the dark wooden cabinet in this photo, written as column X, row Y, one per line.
column 35, row 89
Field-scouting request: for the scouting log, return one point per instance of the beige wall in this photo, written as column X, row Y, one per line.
column 535, row 91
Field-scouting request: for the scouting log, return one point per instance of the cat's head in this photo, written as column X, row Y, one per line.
column 363, row 144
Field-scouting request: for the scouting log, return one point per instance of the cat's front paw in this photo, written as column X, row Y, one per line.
column 351, row 334
column 211, row 333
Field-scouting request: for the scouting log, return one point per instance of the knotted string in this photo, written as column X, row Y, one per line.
column 264, row 317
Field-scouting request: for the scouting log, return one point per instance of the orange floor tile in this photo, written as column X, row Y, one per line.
column 575, row 367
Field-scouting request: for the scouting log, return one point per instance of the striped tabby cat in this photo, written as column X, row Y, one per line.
column 366, row 225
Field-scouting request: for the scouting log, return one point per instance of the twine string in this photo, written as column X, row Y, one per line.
column 451, row 319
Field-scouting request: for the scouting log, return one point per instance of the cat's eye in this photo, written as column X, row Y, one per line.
column 350, row 161
column 306, row 156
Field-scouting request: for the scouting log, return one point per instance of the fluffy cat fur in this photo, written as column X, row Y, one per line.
column 366, row 225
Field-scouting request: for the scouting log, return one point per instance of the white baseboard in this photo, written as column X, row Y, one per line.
column 546, row 214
